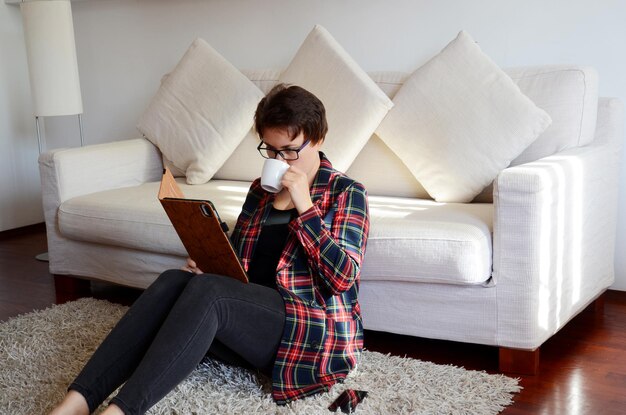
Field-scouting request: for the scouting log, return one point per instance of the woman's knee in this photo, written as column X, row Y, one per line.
column 172, row 279
column 208, row 285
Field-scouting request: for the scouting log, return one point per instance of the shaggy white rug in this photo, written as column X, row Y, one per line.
column 41, row 352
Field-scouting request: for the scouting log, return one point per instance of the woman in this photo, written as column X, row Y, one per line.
column 298, row 320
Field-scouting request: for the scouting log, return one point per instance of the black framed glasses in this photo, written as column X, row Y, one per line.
column 285, row 154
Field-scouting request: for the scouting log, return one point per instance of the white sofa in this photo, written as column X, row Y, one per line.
column 509, row 273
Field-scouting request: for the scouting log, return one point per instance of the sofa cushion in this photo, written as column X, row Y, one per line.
column 569, row 94
column 459, row 120
column 383, row 173
column 200, row 113
column 246, row 163
column 377, row 166
column 354, row 104
column 410, row 239
column 132, row 217
column 426, row 241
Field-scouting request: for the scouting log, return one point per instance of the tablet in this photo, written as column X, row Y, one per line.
column 201, row 231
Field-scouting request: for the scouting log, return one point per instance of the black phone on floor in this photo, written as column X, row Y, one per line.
column 347, row 401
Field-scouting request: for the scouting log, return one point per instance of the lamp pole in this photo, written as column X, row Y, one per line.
column 52, row 63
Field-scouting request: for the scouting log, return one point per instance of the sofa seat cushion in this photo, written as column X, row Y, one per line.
column 133, row 217
column 410, row 239
column 426, row 241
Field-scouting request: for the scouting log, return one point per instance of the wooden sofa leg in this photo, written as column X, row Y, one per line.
column 522, row 362
column 69, row 288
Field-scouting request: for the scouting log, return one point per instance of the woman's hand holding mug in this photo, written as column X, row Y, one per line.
column 297, row 183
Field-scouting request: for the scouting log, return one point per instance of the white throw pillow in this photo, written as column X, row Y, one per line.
column 201, row 112
column 354, row 104
column 459, row 120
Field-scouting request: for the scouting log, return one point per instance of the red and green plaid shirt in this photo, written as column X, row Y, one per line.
column 318, row 278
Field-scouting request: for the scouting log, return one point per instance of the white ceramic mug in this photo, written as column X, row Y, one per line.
column 273, row 171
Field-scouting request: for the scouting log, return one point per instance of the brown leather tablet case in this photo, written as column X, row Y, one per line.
column 201, row 231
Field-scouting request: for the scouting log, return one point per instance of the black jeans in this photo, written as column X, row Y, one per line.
column 171, row 327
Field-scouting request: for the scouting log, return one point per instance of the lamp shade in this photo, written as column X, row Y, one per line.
column 51, row 51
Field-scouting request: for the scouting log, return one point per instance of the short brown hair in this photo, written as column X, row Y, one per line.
column 294, row 109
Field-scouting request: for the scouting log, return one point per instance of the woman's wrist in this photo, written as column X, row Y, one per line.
column 305, row 207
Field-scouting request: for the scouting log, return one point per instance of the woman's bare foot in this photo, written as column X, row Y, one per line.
column 73, row 404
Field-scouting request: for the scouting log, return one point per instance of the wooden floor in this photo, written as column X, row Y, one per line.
column 582, row 369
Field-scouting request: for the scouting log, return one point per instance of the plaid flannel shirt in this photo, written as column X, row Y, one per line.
column 318, row 278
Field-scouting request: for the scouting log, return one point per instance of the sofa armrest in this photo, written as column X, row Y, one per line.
column 77, row 171
column 554, row 235
column 68, row 173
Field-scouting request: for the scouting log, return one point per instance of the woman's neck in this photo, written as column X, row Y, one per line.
column 311, row 175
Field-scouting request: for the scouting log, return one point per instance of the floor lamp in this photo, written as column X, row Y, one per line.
column 52, row 63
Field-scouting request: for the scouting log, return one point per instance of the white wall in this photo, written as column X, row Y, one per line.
column 124, row 47
column 20, row 200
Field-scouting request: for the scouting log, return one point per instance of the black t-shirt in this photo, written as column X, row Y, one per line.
column 262, row 269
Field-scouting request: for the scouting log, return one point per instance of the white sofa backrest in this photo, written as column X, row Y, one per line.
column 569, row 93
